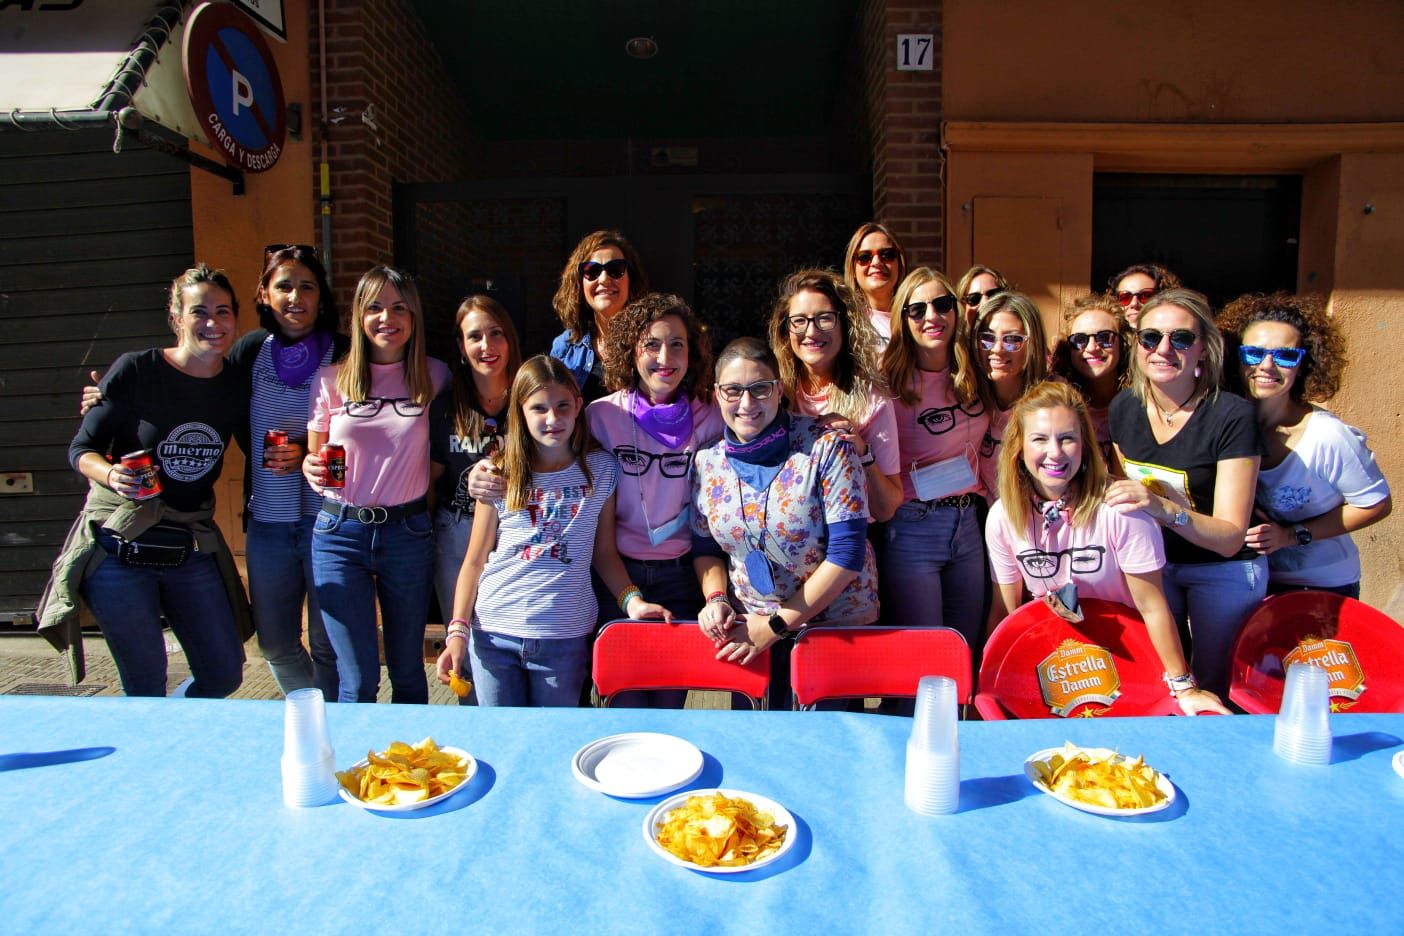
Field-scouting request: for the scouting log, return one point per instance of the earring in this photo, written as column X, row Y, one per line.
column 1196, row 372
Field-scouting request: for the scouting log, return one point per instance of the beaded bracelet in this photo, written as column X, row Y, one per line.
column 718, row 596
column 463, row 621
column 628, row 595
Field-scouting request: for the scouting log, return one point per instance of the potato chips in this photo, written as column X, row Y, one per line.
column 716, row 831
column 460, row 686
column 1101, row 778
column 403, row 774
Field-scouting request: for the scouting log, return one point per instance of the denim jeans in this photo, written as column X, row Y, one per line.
column 451, row 533
column 1350, row 591
column 279, row 558
column 935, row 570
column 675, row 587
column 129, row 602
column 528, row 671
column 1215, row 598
column 354, row 563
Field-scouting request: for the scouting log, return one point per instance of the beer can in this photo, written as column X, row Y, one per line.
column 493, row 441
column 148, row 473
column 334, row 457
column 271, row 438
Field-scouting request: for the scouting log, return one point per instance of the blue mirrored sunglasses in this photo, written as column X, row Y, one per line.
column 1282, row 357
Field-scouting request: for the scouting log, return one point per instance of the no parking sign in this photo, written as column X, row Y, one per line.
column 234, row 86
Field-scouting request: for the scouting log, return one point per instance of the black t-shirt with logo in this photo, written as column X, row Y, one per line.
column 185, row 421
column 457, row 454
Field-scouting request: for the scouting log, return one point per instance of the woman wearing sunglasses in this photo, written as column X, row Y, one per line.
column 934, row 558
column 602, row 276
column 978, row 284
column 373, row 537
column 829, row 370
column 1133, row 287
column 1319, row 482
column 873, row 266
column 1095, row 357
column 1191, row 455
column 1011, row 355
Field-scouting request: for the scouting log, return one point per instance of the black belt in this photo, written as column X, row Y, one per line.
column 959, row 501
column 681, row 562
column 375, row 515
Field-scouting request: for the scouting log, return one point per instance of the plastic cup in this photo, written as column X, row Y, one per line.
column 1302, row 732
column 934, row 717
column 309, row 766
column 932, row 782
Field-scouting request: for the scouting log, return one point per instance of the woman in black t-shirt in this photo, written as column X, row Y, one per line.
column 1191, row 455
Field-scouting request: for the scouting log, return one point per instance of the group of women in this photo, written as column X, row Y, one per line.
column 889, row 428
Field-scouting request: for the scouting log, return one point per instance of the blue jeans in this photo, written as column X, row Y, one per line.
column 129, row 602
column 935, row 569
column 531, row 671
column 451, row 534
column 1350, row 591
column 672, row 584
column 353, row 563
column 279, row 558
column 1215, row 598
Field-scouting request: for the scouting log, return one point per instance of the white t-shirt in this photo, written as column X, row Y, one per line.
column 1331, row 465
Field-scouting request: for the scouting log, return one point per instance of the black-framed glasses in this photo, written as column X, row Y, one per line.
column 941, row 305
column 1105, row 339
column 365, row 409
column 824, row 321
column 760, row 390
column 1082, row 560
column 1010, row 343
column 942, row 419
column 634, row 461
column 1181, row 339
column 885, row 254
column 975, row 298
column 616, row 268
column 270, row 249
column 1252, row 355
column 1140, row 296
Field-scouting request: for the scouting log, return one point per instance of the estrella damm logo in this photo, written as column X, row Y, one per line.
column 1077, row 674
column 1336, row 657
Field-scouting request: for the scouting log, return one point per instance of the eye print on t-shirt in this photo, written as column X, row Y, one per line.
column 551, row 513
column 1164, row 482
column 939, row 420
column 635, row 461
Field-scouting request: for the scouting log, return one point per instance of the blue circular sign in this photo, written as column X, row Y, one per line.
column 234, row 86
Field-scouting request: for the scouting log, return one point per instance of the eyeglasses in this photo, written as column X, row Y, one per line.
column 974, row 299
column 1282, row 357
column 271, row 249
column 1082, row 560
column 942, row 419
column 885, row 254
column 616, row 268
column 941, row 305
column 1181, row 339
column 1105, row 339
column 634, row 461
column 1010, row 343
column 1125, row 297
column 824, row 321
column 365, row 409
column 760, row 390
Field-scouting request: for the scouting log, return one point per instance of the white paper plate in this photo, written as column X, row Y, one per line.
column 763, row 803
column 637, row 765
column 470, row 770
column 1399, row 763
column 1162, row 783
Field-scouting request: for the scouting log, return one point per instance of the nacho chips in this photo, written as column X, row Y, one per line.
column 1105, row 779
column 404, row 774
column 714, row 830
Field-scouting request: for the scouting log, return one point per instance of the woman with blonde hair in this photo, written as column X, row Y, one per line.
column 977, row 285
column 873, row 266
column 1094, row 355
column 1011, row 354
column 602, row 275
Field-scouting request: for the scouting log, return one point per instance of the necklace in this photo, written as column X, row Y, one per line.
column 1169, row 418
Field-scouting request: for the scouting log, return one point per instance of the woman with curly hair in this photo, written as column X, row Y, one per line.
column 1011, row 355
column 978, row 284
column 1133, row 287
column 602, row 276
column 1095, row 357
column 1319, row 482
column 873, row 266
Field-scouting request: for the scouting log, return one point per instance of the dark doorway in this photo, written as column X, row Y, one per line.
column 1223, row 235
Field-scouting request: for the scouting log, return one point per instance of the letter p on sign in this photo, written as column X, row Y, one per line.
column 242, row 92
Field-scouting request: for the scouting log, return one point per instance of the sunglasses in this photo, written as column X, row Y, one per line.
column 1010, row 343
column 616, row 268
column 886, row 255
column 760, row 390
column 824, row 321
column 1105, row 339
column 1282, row 357
column 941, row 305
column 1181, row 339
column 974, row 299
column 271, row 249
column 1139, row 297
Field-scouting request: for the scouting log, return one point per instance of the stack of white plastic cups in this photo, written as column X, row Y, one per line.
column 933, row 751
column 309, row 767
column 1302, row 733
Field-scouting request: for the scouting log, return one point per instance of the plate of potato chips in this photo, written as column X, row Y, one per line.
column 405, row 776
column 719, row 831
column 1099, row 781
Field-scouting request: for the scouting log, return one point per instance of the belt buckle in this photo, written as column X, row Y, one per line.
column 376, row 515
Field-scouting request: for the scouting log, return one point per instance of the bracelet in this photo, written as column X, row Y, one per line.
column 463, row 621
column 1185, row 682
column 719, row 596
column 110, row 469
column 628, row 595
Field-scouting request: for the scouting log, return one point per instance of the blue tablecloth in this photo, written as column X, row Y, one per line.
column 128, row 815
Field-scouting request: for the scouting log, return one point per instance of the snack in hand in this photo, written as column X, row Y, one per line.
column 404, row 774
column 460, row 686
column 1101, row 778
column 713, row 830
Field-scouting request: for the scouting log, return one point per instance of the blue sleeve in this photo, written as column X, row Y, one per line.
column 848, row 541
column 706, row 546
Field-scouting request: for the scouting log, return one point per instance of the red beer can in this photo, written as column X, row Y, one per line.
column 271, row 438
column 148, row 474
column 334, row 457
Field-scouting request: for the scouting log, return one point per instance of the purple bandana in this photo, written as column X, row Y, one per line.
column 296, row 361
column 669, row 423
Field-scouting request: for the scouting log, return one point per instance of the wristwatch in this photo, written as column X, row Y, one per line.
column 1303, row 534
column 1181, row 518
column 778, row 628
column 1181, row 683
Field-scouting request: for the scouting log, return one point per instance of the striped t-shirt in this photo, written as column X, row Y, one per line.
column 274, row 405
column 537, row 581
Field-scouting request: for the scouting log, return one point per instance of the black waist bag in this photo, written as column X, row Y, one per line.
column 163, row 545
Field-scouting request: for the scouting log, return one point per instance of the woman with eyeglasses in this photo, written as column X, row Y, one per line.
column 1191, row 455
column 978, row 284
column 829, row 370
column 1133, row 287
column 779, row 521
column 1318, row 482
column 602, row 276
column 934, row 558
column 1095, row 357
column 373, row 537
column 1050, row 534
column 1011, row 355
column 873, row 266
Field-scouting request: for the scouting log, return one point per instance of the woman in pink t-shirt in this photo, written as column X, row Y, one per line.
column 1011, row 354
column 374, row 536
column 1050, row 532
column 873, row 266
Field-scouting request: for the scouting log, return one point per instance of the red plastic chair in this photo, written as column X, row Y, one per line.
column 1009, row 681
column 1279, row 624
column 633, row 655
column 855, row 662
